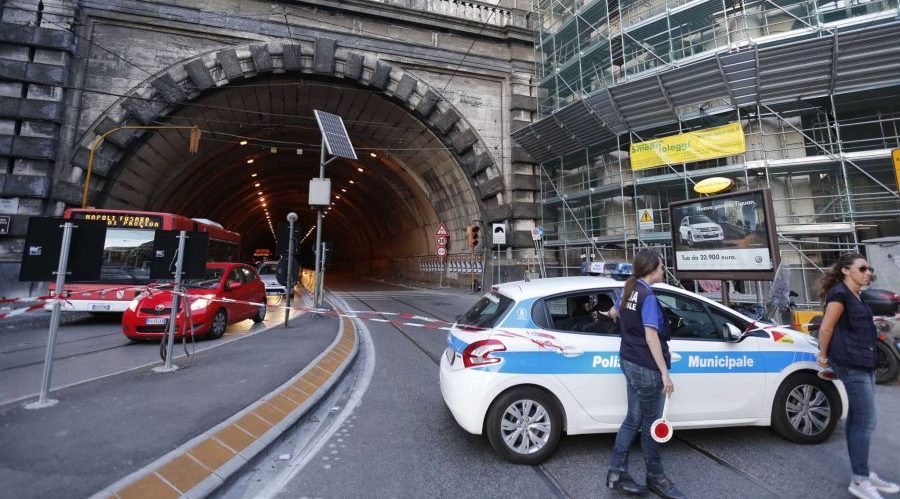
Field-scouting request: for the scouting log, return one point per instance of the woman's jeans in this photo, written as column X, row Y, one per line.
column 645, row 403
column 860, row 386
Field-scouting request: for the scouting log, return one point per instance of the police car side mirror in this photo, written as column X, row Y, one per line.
column 731, row 333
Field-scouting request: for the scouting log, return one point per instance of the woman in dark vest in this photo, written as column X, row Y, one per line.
column 644, row 357
column 847, row 339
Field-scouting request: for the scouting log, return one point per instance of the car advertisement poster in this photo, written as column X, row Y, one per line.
column 715, row 237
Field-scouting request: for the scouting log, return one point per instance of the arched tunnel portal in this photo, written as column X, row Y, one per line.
column 261, row 147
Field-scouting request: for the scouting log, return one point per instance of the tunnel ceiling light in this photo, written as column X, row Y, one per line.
column 259, row 192
column 352, row 182
column 253, row 175
column 256, row 184
column 250, row 161
column 243, row 142
column 373, row 155
column 343, row 190
column 360, row 170
column 337, row 196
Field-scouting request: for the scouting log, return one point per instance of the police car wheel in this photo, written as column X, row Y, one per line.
column 524, row 425
column 806, row 409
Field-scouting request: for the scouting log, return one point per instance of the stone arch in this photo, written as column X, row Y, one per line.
column 159, row 96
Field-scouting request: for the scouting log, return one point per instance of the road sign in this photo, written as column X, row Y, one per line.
column 499, row 233
column 537, row 233
column 335, row 135
column 442, row 251
column 441, row 240
column 4, row 225
column 442, row 231
column 645, row 217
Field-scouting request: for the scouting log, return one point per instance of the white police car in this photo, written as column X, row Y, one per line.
column 531, row 360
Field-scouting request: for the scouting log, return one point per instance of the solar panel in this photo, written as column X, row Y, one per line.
column 336, row 140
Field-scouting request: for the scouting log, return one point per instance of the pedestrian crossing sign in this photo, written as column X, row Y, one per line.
column 645, row 217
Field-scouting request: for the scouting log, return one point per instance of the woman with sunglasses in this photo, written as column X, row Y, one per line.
column 847, row 339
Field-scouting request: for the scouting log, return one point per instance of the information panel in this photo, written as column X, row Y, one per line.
column 122, row 219
column 725, row 237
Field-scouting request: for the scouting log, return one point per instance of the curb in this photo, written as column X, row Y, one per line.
column 204, row 463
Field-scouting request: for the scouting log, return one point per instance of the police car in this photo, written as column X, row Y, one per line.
column 533, row 360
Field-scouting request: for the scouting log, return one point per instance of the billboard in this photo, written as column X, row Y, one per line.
column 718, row 142
column 730, row 236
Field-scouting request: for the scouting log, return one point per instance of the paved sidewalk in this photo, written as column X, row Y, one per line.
column 147, row 434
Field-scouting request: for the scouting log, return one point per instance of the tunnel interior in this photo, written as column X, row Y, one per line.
column 260, row 148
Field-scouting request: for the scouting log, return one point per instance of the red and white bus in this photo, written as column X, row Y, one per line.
column 127, row 252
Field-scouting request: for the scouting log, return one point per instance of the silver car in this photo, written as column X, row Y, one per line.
column 267, row 271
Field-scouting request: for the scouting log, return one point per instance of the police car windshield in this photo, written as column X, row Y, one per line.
column 486, row 311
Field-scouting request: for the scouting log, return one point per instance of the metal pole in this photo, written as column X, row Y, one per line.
column 43, row 398
column 472, row 267
column 170, row 330
column 288, row 283
column 322, row 278
column 316, row 300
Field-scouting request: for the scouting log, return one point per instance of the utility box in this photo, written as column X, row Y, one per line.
column 883, row 253
column 320, row 192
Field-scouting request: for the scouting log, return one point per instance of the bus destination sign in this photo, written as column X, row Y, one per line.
column 123, row 220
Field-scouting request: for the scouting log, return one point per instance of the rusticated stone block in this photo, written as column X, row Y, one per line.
column 520, row 155
column 33, row 147
column 261, row 58
column 518, row 124
column 198, row 73
column 143, row 111
column 323, row 57
column 354, row 66
column 406, row 87
column 381, row 76
column 66, row 192
column 520, row 239
column 464, row 141
column 102, row 164
column 231, row 66
column 26, row 185
column 169, row 89
column 524, row 182
column 491, row 187
column 497, row 213
column 474, row 164
column 445, row 121
column 523, row 103
column 525, row 209
column 427, row 104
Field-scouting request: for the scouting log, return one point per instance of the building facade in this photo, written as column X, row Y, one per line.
column 813, row 84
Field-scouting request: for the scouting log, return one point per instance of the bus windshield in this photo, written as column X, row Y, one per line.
column 126, row 256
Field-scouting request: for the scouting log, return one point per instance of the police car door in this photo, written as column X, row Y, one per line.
column 588, row 367
column 714, row 379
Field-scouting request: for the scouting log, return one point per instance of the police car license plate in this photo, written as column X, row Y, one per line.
column 451, row 355
column 156, row 321
column 97, row 307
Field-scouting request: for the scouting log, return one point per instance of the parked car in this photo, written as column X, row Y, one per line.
column 699, row 228
column 148, row 314
column 267, row 272
column 532, row 359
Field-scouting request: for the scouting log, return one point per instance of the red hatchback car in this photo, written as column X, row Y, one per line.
column 147, row 315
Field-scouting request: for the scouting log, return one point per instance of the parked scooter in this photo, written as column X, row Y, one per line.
column 885, row 306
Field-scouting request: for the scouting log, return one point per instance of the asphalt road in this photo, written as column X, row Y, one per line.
column 385, row 432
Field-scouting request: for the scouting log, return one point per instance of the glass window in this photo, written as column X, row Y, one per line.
column 688, row 318
column 268, row 268
column 584, row 312
column 236, row 276
column 486, row 311
column 126, row 256
column 210, row 280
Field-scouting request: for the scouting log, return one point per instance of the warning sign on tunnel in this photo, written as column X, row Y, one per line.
column 645, row 217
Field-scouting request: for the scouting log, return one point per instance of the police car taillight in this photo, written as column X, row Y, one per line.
column 479, row 353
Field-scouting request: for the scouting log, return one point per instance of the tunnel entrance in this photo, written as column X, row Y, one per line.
column 261, row 147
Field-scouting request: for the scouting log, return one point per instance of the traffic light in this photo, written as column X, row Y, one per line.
column 472, row 232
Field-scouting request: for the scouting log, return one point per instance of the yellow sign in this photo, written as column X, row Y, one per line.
column 645, row 218
column 701, row 145
column 895, row 155
column 123, row 220
column 713, row 185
